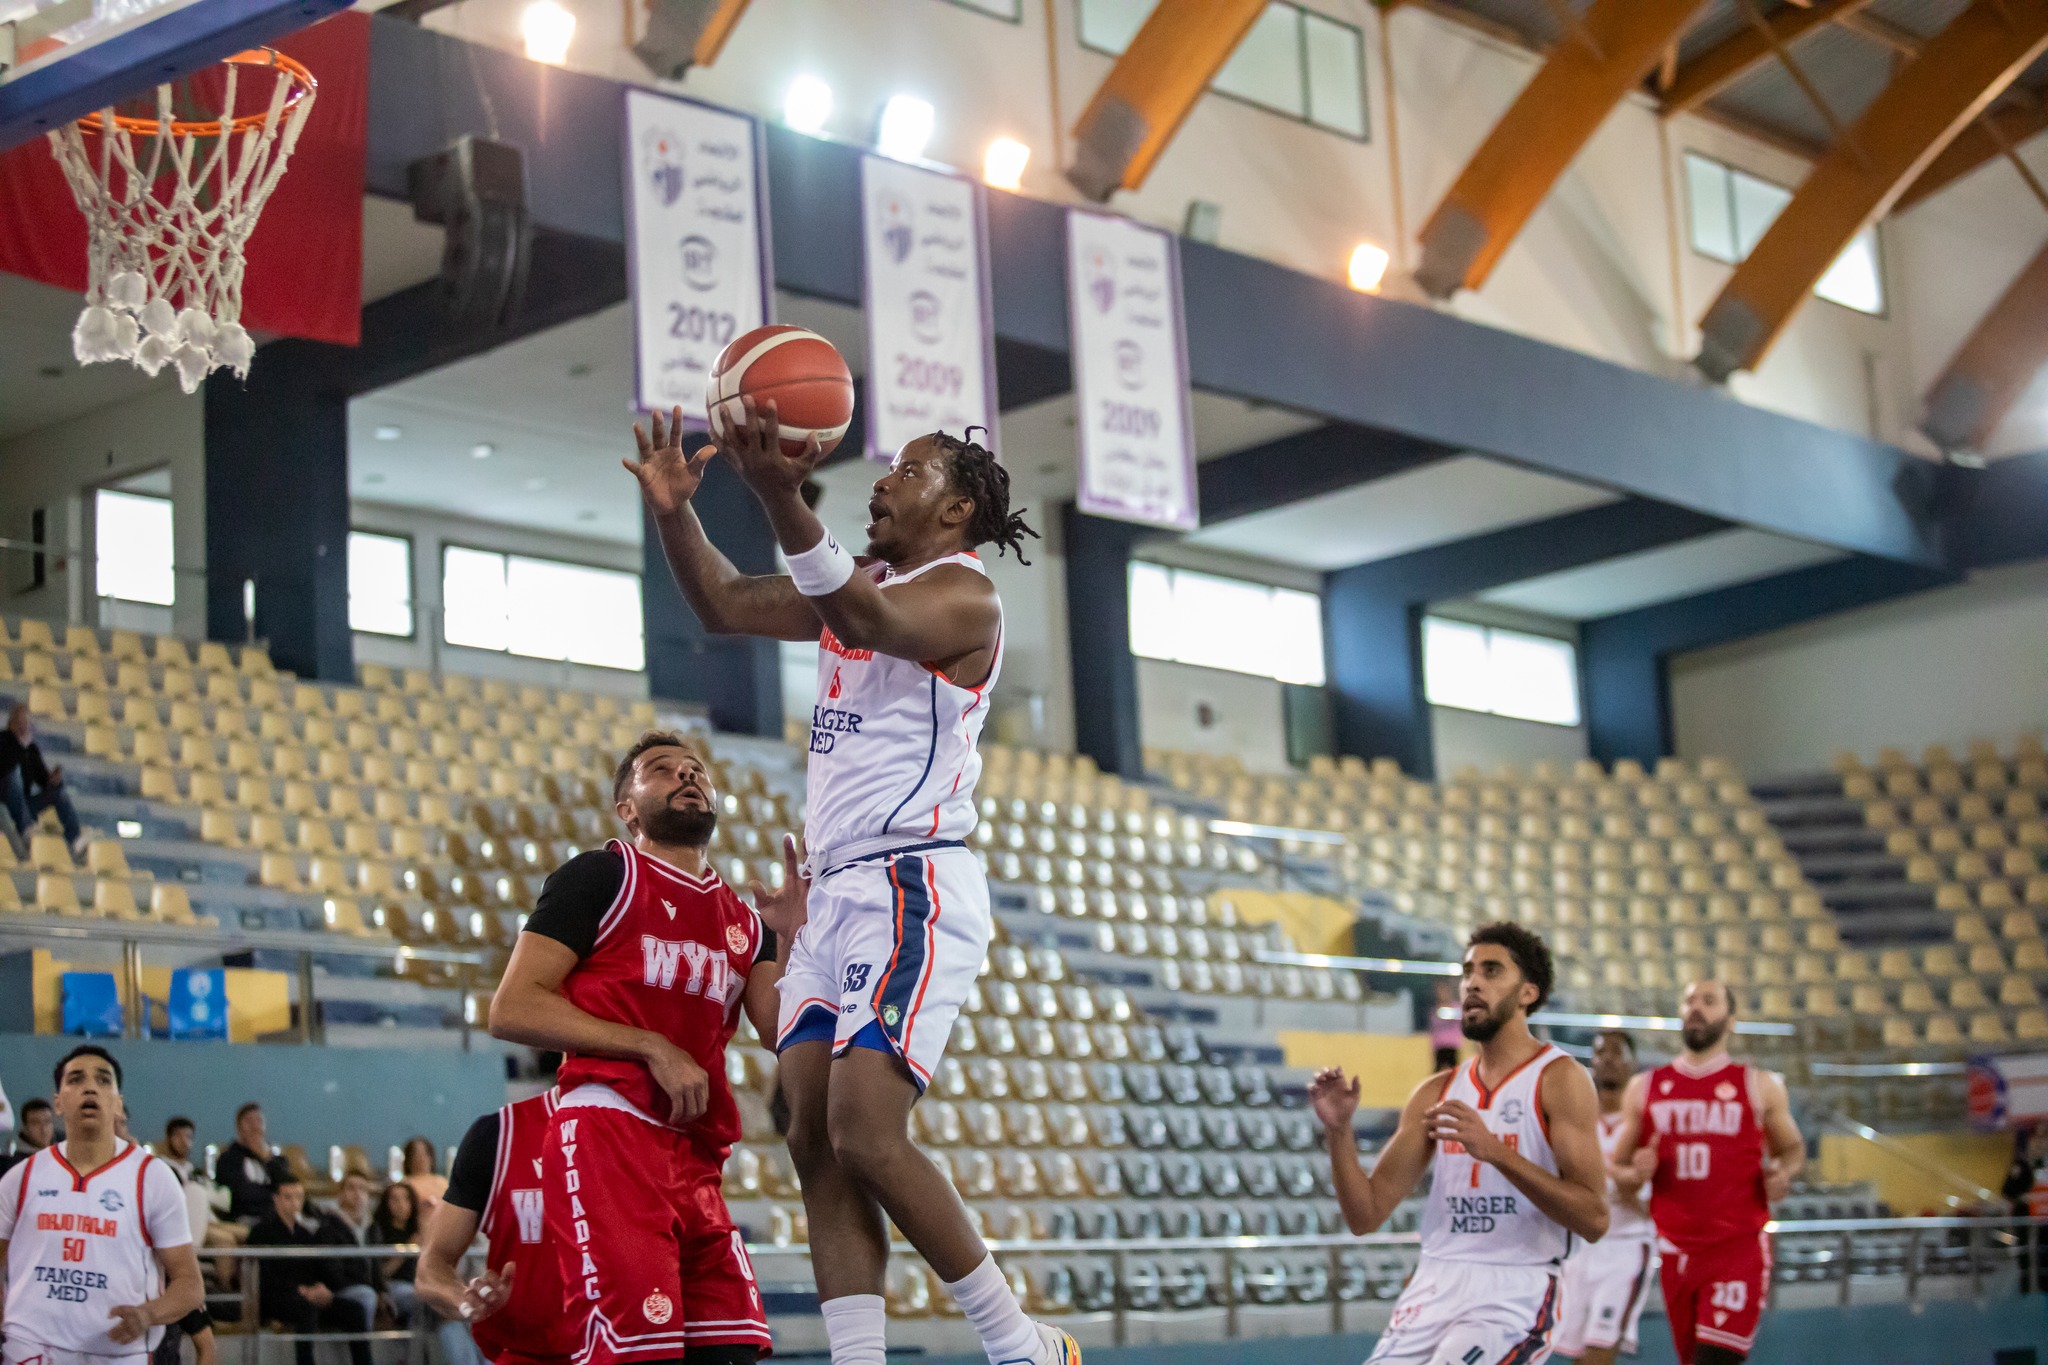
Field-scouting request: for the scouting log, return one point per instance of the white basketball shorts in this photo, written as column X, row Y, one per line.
column 1459, row 1312
column 1606, row 1285
column 892, row 945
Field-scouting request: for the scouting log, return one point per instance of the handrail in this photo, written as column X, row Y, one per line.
column 1900, row 1152
column 229, row 939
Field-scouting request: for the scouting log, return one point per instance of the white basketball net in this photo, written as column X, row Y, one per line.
column 163, row 268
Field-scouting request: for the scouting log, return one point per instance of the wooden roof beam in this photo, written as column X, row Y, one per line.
column 1714, row 70
column 2009, row 126
column 1141, row 103
column 1615, row 46
column 1997, row 362
column 1954, row 79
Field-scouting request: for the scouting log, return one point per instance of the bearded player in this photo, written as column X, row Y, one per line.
column 93, row 1234
column 634, row 965
column 911, row 642
column 514, row 1309
column 1518, row 1177
column 1716, row 1142
column 1607, row 1283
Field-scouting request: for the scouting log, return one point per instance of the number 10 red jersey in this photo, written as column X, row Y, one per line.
column 1709, row 1185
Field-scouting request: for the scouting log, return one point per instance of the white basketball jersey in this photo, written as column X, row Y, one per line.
column 78, row 1245
column 892, row 761
column 1625, row 1221
column 1474, row 1213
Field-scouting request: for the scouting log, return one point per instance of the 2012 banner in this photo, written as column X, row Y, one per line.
column 1130, row 372
column 697, row 252
column 931, row 337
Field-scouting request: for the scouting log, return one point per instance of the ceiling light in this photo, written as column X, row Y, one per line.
column 547, row 28
column 1003, row 165
column 1368, row 267
column 807, row 104
column 390, row 433
column 905, row 128
column 482, row 450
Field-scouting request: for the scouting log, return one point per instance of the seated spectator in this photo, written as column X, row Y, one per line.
column 305, row 1295
column 249, row 1168
column 397, row 1223
column 175, row 1151
column 29, row 786
column 38, row 1130
column 428, row 1185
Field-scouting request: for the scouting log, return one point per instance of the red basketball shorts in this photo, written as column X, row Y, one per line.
column 651, row 1261
column 1714, row 1294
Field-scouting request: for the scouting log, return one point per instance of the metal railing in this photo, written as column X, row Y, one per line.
column 134, row 936
column 1981, row 1251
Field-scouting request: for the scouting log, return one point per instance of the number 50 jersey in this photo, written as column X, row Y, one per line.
column 497, row 1177
column 1709, row 1185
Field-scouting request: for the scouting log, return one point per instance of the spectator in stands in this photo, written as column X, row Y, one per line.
column 30, row 786
column 1446, row 1029
column 2027, row 1190
column 249, row 1168
column 38, row 1130
column 347, row 1225
column 428, row 1185
column 6, row 1112
column 304, row 1295
column 175, row 1151
column 397, row 1223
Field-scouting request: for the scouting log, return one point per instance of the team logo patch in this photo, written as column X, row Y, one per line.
column 890, row 1014
column 656, row 1308
column 1511, row 1111
column 1663, row 1087
column 670, row 908
column 735, row 938
column 111, row 1201
column 1725, row 1090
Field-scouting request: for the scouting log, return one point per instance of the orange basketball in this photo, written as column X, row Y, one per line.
column 801, row 371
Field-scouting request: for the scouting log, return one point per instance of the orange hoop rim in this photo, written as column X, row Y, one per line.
column 292, row 68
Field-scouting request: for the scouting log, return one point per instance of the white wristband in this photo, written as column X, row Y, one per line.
column 822, row 569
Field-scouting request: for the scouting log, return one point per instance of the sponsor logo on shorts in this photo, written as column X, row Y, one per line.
column 656, row 1308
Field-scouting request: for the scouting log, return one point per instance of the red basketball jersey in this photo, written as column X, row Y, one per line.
column 672, row 956
column 1709, row 1184
column 532, row 1325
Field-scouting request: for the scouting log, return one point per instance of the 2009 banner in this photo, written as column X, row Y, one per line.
column 931, row 339
column 1130, row 372
column 697, row 250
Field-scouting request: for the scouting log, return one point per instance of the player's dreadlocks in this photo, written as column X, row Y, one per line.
column 977, row 475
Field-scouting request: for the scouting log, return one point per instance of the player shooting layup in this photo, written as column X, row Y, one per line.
column 911, row 642
column 1518, row 1174
column 93, row 1234
column 1718, row 1145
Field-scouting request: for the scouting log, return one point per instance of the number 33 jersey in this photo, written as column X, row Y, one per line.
column 1709, row 1185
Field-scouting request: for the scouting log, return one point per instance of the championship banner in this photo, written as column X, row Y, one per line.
column 931, row 338
column 698, row 266
column 1130, row 372
column 2008, row 1092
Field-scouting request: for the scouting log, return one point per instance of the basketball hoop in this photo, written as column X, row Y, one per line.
column 167, row 228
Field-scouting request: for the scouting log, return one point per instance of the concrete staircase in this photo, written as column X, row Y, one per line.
column 1865, row 886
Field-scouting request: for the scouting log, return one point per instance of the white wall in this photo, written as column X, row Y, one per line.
column 430, row 531
column 57, row 467
column 1473, row 739
column 1945, row 666
column 1208, row 711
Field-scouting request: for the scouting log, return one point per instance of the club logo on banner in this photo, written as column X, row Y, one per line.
column 931, row 352
column 696, row 243
column 1130, row 372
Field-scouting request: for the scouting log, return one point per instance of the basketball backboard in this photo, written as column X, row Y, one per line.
column 62, row 59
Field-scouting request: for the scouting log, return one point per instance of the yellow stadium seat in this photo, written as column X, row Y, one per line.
column 1964, row 994
column 213, row 655
column 1868, row 998
column 328, row 874
column 104, row 858
column 1988, row 1029
column 2019, row 924
column 168, row 902
column 2029, row 954
column 55, row 895
column 1899, row 1032
column 127, row 646
column 36, row 635
column 315, row 836
column 1986, row 959
column 49, row 853
column 2030, row 1026
column 267, row 831
column 280, row 872
column 1917, row 997
column 114, row 898
column 1943, row 1031
column 2017, row 990
column 10, row 898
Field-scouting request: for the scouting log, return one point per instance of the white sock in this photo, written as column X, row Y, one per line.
column 856, row 1325
column 985, row 1297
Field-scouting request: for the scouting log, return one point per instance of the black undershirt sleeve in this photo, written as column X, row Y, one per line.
column 766, row 952
column 469, row 1179
column 573, row 901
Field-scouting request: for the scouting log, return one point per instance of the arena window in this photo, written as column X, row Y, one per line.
column 541, row 608
column 380, row 583
column 1293, row 62
column 1731, row 210
column 132, row 547
column 1503, row 672
column 1227, row 623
